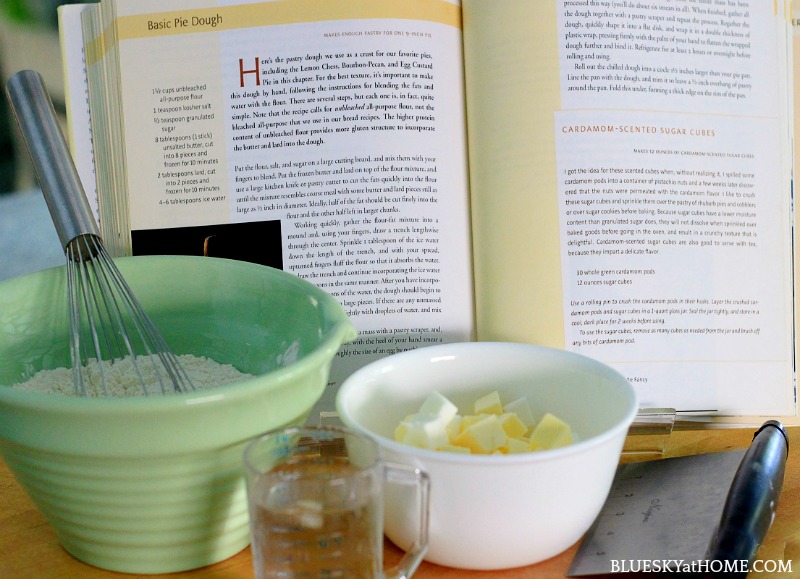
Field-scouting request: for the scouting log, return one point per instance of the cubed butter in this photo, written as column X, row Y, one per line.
column 483, row 437
column 454, row 426
column 437, row 405
column 493, row 429
column 469, row 420
column 518, row 445
column 513, row 426
column 401, row 430
column 522, row 409
column 489, row 404
column 423, row 431
column 550, row 432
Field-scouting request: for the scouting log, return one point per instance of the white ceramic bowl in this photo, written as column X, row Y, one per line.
column 499, row 511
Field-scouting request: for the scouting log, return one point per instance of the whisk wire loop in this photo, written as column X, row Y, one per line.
column 145, row 329
column 107, row 323
column 74, row 306
column 86, row 299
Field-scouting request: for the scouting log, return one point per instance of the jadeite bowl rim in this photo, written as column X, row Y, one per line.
column 433, row 456
column 148, row 404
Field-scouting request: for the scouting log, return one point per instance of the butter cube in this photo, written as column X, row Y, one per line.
column 489, row 404
column 550, row 432
column 454, row 426
column 483, row 437
column 423, row 431
column 518, row 445
column 513, row 426
column 521, row 408
column 437, row 405
column 469, row 420
column 401, row 429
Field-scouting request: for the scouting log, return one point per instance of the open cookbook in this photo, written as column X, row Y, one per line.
column 609, row 177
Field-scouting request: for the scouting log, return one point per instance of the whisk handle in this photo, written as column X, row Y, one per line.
column 55, row 169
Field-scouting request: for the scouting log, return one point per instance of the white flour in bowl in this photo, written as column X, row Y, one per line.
column 123, row 381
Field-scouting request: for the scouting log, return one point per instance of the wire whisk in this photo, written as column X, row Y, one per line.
column 113, row 343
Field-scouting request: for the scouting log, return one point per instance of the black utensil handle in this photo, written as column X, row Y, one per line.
column 751, row 503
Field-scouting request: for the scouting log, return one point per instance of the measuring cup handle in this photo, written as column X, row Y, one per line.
column 396, row 473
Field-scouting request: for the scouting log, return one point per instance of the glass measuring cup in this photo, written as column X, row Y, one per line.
column 315, row 497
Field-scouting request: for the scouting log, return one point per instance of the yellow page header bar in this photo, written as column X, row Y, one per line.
column 283, row 12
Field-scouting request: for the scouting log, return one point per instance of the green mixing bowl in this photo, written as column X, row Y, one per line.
column 155, row 485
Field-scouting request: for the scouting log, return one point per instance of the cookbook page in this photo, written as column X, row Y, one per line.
column 79, row 126
column 324, row 139
column 657, row 200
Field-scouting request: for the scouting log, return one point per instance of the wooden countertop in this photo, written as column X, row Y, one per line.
column 28, row 548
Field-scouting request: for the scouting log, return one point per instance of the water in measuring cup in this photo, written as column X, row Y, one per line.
column 304, row 529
